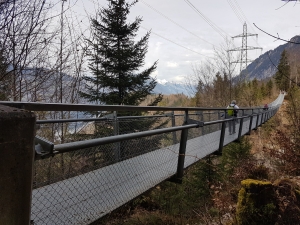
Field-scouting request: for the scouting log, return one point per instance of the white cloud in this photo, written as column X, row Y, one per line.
column 172, row 64
column 163, row 81
column 179, row 78
column 207, row 51
column 157, row 46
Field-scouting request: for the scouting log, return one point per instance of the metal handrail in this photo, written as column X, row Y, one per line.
column 73, row 146
column 67, row 147
column 119, row 118
column 97, row 119
column 37, row 106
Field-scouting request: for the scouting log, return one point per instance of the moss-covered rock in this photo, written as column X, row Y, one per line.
column 257, row 203
column 264, row 203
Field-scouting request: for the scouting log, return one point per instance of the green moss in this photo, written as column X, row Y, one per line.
column 255, row 185
column 256, row 203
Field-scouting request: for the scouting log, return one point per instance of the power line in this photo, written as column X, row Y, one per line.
column 175, row 42
column 176, row 23
column 210, row 23
column 245, row 18
column 232, row 6
column 275, row 36
column 167, row 38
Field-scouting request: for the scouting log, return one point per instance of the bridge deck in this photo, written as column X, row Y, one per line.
column 85, row 198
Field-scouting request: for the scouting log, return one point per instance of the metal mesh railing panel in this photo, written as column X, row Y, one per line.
column 82, row 186
column 86, row 197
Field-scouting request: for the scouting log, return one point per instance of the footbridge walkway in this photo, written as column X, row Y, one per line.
column 95, row 160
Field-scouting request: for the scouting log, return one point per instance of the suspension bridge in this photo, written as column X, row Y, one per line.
column 84, row 167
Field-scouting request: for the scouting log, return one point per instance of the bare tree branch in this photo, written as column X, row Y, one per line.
column 278, row 38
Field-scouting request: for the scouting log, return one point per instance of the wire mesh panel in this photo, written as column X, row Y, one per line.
column 81, row 186
column 88, row 196
column 71, row 164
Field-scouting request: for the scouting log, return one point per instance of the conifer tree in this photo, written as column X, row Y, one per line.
column 282, row 76
column 116, row 62
column 116, row 59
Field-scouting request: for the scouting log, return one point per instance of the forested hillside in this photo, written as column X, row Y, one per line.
column 265, row 65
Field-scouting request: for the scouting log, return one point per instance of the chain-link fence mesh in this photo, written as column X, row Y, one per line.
column 81, row 186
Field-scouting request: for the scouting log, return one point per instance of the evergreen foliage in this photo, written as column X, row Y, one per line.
column 282, row 76
column 115, row 59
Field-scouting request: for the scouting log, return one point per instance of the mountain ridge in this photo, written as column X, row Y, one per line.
column 265, row 65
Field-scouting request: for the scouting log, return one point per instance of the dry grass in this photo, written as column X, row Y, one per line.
column 263, row 137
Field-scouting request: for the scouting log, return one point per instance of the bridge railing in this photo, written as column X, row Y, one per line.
column 85, row 142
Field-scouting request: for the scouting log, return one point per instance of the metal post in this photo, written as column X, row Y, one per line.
column 219, row 118
column 116, row 132
column 262, row 116
column 173, row 125
column 250, row 125
column 221, row 143
column 209, row 126
column 16, row 165
column 202, row 119
column 266, row 117
column 182, row 149
column 256, row 121
column 240, row 130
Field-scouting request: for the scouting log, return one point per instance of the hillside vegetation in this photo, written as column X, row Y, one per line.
column 253, row 182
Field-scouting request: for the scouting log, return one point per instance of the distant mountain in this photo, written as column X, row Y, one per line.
column 168, row 88
column 262, row 67
column 48, row 86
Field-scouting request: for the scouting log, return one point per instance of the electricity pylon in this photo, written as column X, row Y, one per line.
column 244, row 58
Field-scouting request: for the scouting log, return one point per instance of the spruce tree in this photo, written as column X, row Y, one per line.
column 282, row 76
column 116, row 59
column 116, row 62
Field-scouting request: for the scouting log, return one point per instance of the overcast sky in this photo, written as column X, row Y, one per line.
column 182, row 37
